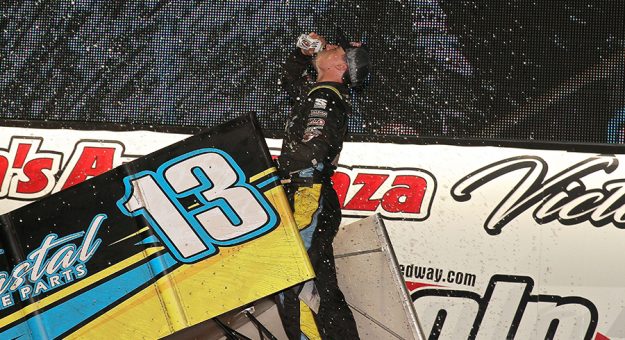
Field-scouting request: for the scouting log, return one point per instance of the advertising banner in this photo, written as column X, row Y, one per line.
column 504, row 241
column 156, row 245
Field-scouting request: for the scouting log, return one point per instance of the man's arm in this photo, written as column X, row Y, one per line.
column 294, row 80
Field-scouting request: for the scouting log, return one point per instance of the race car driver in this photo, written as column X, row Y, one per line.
column 313, row 140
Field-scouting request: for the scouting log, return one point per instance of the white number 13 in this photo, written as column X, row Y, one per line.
column 230, row 210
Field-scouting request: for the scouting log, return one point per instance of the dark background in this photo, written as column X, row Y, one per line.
column 540, row 70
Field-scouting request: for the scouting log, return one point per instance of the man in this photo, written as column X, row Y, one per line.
column 313, row 140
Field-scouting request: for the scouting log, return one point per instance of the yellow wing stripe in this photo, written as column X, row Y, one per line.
column 131, row 235
column 263, row 174
column 193, row 293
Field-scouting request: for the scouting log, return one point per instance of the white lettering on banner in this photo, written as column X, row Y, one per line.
column 506, row 311
column 56, row 262
column 563, row 196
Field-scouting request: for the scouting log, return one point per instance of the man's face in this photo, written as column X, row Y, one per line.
column 332, row 56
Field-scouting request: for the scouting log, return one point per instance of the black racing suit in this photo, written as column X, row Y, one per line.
column 313, row 140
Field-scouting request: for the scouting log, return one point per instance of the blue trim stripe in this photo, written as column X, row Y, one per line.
column 148, row 240
column 62, row 318
column 268, row 181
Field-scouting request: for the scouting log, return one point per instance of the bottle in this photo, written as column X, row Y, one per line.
column 306, row 42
